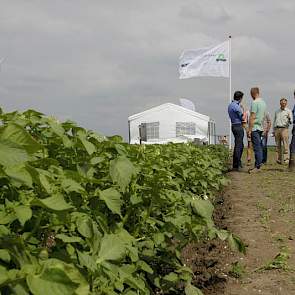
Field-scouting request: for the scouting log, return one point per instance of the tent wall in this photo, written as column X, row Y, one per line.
column 167, row 118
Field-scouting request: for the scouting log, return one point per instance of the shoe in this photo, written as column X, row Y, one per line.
column 286, row 161
column 279, row 162
column 254, row 170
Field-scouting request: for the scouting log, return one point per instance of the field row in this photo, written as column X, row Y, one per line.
column 81, row 213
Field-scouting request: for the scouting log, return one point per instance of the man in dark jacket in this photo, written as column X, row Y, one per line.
column 235, row 113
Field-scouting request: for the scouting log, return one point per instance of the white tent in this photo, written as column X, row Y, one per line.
column 171, row 123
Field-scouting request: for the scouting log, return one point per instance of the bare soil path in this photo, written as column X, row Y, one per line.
column 263, row 215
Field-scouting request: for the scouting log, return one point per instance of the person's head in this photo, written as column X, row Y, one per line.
column 254, row 92
column 283, row 103
column 238, row 96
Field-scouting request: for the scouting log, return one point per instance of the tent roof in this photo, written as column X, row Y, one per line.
column 169, row 105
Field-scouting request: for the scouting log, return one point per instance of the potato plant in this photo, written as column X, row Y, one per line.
column 81, row 213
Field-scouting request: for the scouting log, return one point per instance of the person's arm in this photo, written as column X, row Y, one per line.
column 239, row 111
column 268, row 124
column 290, row 117
column 274, row 123
column 251, row 121
column 252, row 118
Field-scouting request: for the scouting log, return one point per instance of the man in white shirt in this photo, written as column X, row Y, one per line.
column 282, row 120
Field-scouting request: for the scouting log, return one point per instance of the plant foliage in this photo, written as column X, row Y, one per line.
column 84, row 214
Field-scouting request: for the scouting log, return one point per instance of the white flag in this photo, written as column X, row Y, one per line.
column 188, row 104
column 210, row 61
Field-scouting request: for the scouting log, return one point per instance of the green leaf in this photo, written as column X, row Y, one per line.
column 4, row 231
column 11, row 154
column 4, row 255
column 7, row 217
column 57, row 278
column 87, row 261
column 19, row 175
column 20, row 289
column 55, row 203
column 56, row 127
column 236, row 244
column 89, row 147
column 121, row 171
column 120, row 149
column 204, row 208
column 84, row 226
column 191, row 290
column 133, row 253
column 96, row 160
column 171, row 277
column 18, row 135
column 222, row 234
column 130, row 292
column 3, row 275
column 32, row 113
column 126, row 274
column 135, row 199
column 125, row 236
column 112, row 198
column 68, row 239
column 45, row 182
column 158, row 238
column 111, row 248
column 144, row 266
column 67, row 142
column 203, row 183
column 70, row 185
column 23, row 214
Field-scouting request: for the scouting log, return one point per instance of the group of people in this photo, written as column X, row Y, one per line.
column 257, row 123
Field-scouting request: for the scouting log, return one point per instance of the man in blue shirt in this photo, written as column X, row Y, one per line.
column 292, row 144
column 235, row 113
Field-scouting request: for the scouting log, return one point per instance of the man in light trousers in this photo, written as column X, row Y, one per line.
column 282, row 120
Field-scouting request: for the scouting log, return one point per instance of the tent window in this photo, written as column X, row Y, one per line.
column 185, row 128
column 152, row 130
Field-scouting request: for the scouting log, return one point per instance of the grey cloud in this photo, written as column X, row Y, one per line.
column 97, row 62
column 211, row 11
column 252, row 49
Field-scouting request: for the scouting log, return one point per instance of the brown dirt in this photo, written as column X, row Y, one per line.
column 260, row 209
column 208, row 259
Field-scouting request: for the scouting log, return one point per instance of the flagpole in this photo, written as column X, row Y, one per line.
column 230, row 94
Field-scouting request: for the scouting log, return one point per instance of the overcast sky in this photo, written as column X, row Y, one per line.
column 97, row 62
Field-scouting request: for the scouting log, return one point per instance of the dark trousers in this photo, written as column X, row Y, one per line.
column 264, row 149
column 238, row 132
column 257, row 147
column 292, row 144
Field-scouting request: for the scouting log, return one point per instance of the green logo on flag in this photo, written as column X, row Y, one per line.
column 220, row 57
